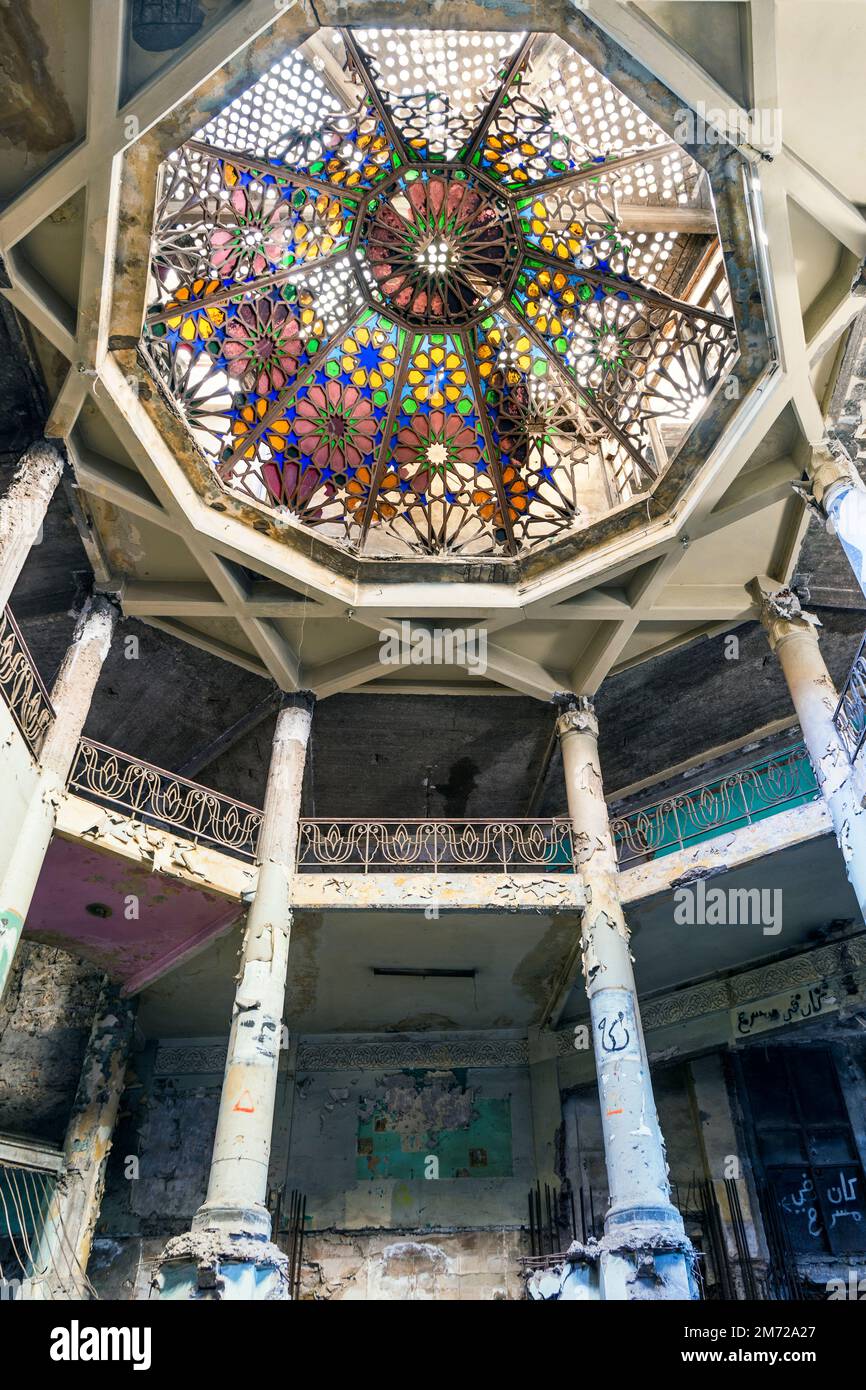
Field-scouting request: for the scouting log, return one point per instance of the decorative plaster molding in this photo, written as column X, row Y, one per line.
column 179, row 1059
column 474, row 1052
column 825, row 962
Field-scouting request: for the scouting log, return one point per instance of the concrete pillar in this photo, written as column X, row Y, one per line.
column 841, row 497
column 646, row 1253
column 228, row 1252
column 23, row 508
column 794, row 640
column 71, row 697
column 64, row 1247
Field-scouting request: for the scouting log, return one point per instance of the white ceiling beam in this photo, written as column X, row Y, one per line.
column 749, row 494
column 67, row 404
column 345, row 672
column 522, row 674
column 142, row 598
column 702, row 603
column 41, row 305
column 823, row 202
column 122, row 487
column 144, row 110
column 837, row 322
column 636, row 217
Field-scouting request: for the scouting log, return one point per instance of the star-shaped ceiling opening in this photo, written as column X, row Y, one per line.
column 437, row 293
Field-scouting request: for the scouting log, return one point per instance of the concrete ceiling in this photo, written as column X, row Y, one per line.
column 122, row 918
column 332, row 986
column 816, row 905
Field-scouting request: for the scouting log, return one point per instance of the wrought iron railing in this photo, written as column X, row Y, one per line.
column 850, row 714
column 435, row 846
column 22, row 688
column 161, row 798
column 778, row 782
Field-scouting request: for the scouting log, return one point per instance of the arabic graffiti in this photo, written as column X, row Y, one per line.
column 792, row 1007
column 823, row 1207
column 615, row 1022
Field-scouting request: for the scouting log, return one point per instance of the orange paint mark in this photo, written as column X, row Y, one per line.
column 614, row 1112
column 244, row 1103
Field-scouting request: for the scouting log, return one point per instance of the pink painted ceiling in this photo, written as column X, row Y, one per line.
column 174, row 919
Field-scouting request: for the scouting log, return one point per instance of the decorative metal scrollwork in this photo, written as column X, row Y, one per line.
column 22, row 688
column 151, row 794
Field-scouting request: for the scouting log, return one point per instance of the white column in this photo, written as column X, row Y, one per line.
column 71, row 698
column 646, row 1252
column 228, row 1253
column 794, row 639
column 23, row 508
column 839, row 492
column 64, row 1247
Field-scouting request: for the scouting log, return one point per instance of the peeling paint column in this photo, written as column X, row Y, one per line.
column 841, row 497
column 645, row 1251
column 794, row 640
column 228, row 1253
column 64, row 1247
column 23, row 508
column 70, row 697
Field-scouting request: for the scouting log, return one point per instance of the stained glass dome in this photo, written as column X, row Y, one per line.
column 436, row 293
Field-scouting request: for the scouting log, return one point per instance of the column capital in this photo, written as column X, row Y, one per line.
column 782, row 614
column 576, row 715
column 298, row 699
column 829, row 466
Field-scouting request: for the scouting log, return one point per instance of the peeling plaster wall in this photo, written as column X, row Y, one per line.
column 45, row 1020
column 367, row 1237
column 437, row 1114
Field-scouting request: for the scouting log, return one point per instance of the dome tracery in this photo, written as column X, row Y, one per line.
column 396, row 293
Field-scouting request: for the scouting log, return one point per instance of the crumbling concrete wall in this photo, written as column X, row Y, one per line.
column 449, row 1266
column 157, row 1173
column 45, row 1020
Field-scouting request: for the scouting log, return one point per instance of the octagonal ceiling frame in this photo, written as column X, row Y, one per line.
column 97, row 346
column 752, row 343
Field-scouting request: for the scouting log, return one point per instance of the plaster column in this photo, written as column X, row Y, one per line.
column 64, row 1247
column 23, row 508
column 841, row 497
column 645, row 1251
column 794, row 640
column 228, row 1252
column 70, row 697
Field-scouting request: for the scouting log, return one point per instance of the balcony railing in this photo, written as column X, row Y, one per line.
column 22, row 688
column 435, row 846
column 161, row 798
column 850, row 714
column 104, row 775
column 778, row 782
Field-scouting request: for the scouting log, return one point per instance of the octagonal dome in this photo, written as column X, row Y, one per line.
column 437, row 293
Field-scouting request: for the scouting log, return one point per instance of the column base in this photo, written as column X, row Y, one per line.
column 216, row 1266
column 646, row 1255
